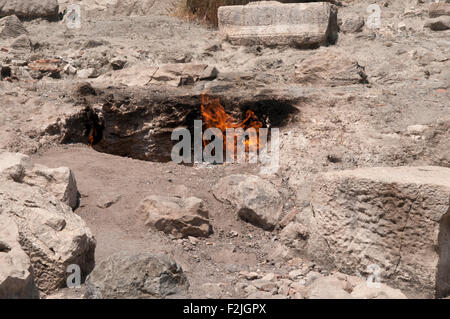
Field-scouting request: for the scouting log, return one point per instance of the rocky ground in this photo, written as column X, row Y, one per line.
column 376, row 98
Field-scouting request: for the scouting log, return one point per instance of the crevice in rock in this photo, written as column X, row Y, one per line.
column 138, row 123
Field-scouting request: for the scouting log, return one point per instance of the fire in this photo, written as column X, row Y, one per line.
column 214, row 116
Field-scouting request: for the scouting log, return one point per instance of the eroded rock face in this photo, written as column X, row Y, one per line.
column 138, row 276
column 394, row 218
column 16, row 274
column 255, row 200
column 271, row 23
column 330, row 68
column 181, row 217
column 50, row 233
column 30, row 9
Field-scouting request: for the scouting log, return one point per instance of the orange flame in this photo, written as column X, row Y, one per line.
column 214, row 116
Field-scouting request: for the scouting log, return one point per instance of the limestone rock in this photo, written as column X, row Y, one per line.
column 179, row 216
column 255, row 200
column 138, row 276
column 16, row 278
column 58, row 181
column 50, row 233
column 11, row 27
column 328, row 288
column 439, row 9
column 438, row 24
column 352, row 24
column 378, row 291
column 393, row 218
column 271, row 23
column 329, row 68
column 179, row 74
column 13, row 166
column 30, row 9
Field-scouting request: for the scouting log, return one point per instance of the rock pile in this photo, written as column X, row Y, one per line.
column 43, row 236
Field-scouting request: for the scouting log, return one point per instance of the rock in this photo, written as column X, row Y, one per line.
column 89, row 73
column 381, row 291
column 250, row 275
column 179, row 216
column 30, row 9
column 270, row 23
column 22, row 43
column 11, row 27
column 137, row 276
column 328, row 288
column 256, row 200
column 438, row 24
column 353, row 24
column 439, row 9
column 179, row 74
column 84, row 89
column 265, row 285
column 212, row 290
column 135, row 76
column 70, row 69
column 47, row 66
column 396, row 217
column 50, row 233
column 118, row 64
column 13, row 166
column 58, row 181
column 401, row 26
column 295, row 235
column 329, row 68
column 16, row 278
column 417, row 129
column 107, row 200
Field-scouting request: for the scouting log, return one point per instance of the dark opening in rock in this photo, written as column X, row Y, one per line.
column 139, row 123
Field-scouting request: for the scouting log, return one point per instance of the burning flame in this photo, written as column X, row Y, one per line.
column 214, row 116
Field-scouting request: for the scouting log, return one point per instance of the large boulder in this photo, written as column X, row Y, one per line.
column 11, row 27
column 179, row 216
column 329, row 68
column 16, row 275
column 30, row 9
column 58, row 181
column 256, row 200
column 396, row 219
column 137, row 276
column 50, row 233
column 271, row 23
